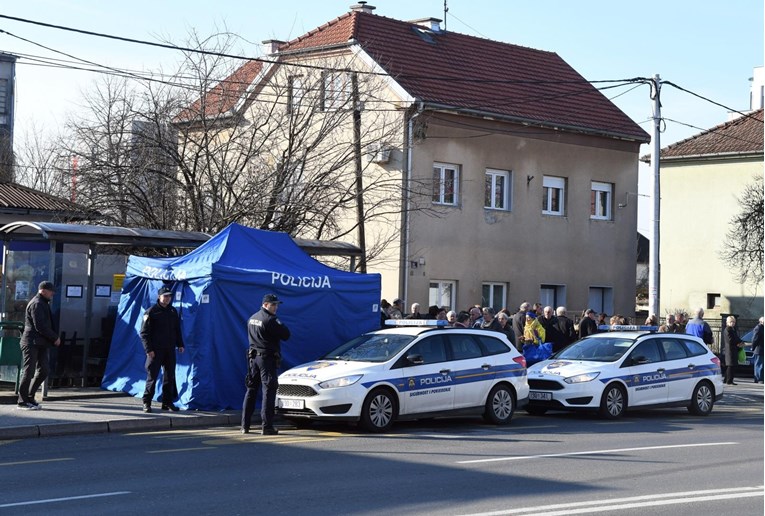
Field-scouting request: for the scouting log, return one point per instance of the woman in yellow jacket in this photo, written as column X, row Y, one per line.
column 533, row 331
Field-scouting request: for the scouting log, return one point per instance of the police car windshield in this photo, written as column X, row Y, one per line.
column 596, row 349
column 371, row 348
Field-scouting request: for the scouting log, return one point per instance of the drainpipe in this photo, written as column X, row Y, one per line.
column 404, row 283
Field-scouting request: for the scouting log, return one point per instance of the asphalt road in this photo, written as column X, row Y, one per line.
column 651, row 462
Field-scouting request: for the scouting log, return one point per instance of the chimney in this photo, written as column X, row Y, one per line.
column 362, row 7
column 271, row 46
column 431, row 24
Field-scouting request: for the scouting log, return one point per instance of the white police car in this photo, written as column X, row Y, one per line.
column 409, row 371
column 616, row 370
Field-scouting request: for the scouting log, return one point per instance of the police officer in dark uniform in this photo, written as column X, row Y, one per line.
column 264, row 332
column 161, row 334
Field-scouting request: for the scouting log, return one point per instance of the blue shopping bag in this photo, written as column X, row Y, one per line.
column 534, row 353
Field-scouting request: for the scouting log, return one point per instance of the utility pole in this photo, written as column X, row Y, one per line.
column 359, row 179
column 653, row 259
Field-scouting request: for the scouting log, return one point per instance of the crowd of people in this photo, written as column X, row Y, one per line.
column 535, row 324
column 530, row 324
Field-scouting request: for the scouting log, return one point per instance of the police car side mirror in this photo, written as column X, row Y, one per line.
column 415, row 359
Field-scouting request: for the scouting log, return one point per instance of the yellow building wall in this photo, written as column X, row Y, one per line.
column 698, row 199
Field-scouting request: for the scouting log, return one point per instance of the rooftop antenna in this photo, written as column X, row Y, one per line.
column 446, row 10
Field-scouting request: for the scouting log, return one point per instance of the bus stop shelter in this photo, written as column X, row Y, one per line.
column 83, row 260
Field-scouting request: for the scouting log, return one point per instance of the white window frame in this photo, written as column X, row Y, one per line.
column 295, row 93
column 493, row 286
column 443, row 294
column 550, row 184
column 439, row 183
column 336, row 86
column 492, row 178
column 601, row 196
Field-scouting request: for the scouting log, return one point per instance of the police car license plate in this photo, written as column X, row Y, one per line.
column 291, row 404
column 540, row 396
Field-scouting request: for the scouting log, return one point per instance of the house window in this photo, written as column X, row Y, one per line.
column 446, row 181
column 295, row 93
column 600, row 200
column 493, row 295
column 335, row 90
column 4, row 110
column 553, row 202
column 713, row 301
column 552, row 295
column 497, row 195
column 601, row 299
column 442, row 293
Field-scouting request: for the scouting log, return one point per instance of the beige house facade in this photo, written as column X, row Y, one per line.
column 508, row 165
column 701, row 180
column 500, row 245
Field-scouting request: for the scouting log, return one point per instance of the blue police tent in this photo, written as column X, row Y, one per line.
column 216, row 289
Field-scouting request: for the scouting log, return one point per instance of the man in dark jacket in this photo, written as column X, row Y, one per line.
column 161, row 335
column 757, row 338
column 565, row 326
column 588, row 326
column 552, row 332
column 37, row 338
column 264, row 332
column 519, row 321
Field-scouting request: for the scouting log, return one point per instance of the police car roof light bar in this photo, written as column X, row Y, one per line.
column 627, row 327
column 416, row 322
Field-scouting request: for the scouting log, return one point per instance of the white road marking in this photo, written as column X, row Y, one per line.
column 68, row 498
column 633, row 502
column 592, row 452
column 182, row 449
column 34, row 461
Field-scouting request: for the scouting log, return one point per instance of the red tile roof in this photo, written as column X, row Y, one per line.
column 744, row 135
column 225, row 95
column 470, row 73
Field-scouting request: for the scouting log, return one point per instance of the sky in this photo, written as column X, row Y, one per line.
column 707, row 47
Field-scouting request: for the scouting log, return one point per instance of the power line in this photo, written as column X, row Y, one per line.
column 282, row 62
column 715, row 130
column 702, row 97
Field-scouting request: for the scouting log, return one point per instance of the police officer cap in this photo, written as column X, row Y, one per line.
column 270, row 298
column 46, row 285
column 165, row 291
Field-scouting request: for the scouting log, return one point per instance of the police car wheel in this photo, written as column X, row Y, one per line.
column 702, row 400
column 378, row 411
column 500, row 405
column 614, row 402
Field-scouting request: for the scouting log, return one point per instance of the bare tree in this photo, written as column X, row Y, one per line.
column 743, row 246
column 41, row 163
column 267, row 145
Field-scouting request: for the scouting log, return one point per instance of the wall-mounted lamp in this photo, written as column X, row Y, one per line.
column 422, row 260
column 528, row 179
column 627, row 198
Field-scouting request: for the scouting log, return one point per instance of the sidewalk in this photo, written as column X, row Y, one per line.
column 77, row 411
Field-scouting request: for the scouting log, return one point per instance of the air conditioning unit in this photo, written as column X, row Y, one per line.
column 379, row 153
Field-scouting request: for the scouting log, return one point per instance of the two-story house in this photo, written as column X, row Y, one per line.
column 509, row 162
column 702, row 180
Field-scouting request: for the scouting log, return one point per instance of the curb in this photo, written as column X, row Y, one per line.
column 118, row 426
column 58, row 429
